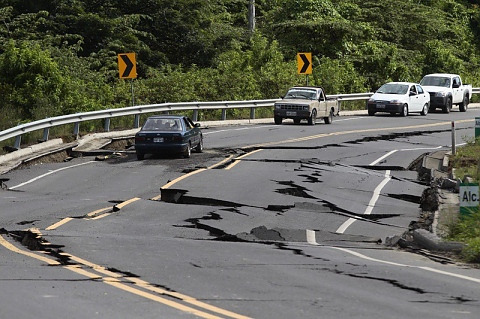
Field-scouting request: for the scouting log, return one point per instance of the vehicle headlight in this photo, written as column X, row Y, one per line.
column 277, row 106
column 396, row 102
column 305, row 107
column 370, row 100
column 440, row 94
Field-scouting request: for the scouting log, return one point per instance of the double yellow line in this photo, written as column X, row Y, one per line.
column 132, row 285
column 97, row 214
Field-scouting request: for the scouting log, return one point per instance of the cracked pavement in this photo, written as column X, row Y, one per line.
column 239, row 235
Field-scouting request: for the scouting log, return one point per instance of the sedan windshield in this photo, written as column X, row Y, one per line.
column 393, row 88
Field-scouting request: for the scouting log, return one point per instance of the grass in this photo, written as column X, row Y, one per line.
column 466, row 229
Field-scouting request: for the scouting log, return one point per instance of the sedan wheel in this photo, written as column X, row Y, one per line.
column 404, row 111
column 140, row 156
column 188, row 152
column 199, row 147
column 424, row 110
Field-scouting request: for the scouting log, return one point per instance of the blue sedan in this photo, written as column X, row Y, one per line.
column 168, row 134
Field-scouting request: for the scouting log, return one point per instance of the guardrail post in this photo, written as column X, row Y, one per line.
column 106, row 125
column 252, row 113
column 46, row 131
column 18, row 141
column 76, row 129
column 224, row 114
column 195, row 116
column 136, row 123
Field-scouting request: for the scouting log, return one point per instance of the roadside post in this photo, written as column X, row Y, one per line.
column 454, row 141
column 477, row 127
column 469, row 198
column 127, row 69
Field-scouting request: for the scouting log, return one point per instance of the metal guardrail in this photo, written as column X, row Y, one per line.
column 46, row 124
column 77, row 118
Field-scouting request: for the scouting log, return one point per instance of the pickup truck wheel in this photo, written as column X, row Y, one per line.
column 329, row 118
column 313, row 118
column 463, row 106
column 424, row 110
column 140, row 156
column 448, row 106
column 371, row 112
column 278, row 120
column 404, row 111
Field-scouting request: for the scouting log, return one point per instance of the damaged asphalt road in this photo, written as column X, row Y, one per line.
column 293, row 229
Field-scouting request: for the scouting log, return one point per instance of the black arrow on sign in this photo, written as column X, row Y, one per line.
column 129, row 65
column 306, row 63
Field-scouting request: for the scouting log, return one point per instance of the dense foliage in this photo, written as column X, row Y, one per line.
column 60, row 56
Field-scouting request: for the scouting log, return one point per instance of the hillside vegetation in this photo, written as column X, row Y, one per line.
column 60, row 56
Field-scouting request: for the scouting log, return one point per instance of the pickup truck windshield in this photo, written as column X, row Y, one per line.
column 435, row 81
column 301, row 94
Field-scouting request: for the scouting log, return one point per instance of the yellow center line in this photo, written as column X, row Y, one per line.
column 171, row 183
column 125, row 203
column 232, row 165
column 11, row 247
column 238, row 159
column 193, row 301
column 95, row 212
column 100, row 216
column 306, row 138
column 176, row 180
column 113, row 280
column 221, row 162
column 58, row 224
column 164, row 301
column 116, row 207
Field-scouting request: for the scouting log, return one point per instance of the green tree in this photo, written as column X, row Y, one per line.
column 34, row 77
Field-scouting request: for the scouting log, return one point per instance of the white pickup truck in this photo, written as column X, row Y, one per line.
column 446, row 90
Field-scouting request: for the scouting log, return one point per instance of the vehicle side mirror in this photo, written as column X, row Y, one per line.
column 455, row 85
column 197, row 124
column 412, row 93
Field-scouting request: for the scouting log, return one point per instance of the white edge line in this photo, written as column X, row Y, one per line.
column 371, row 203
column 381, row 158
column 49, row 173
column 312, row 240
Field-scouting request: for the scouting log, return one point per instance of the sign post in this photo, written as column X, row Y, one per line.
column 469, row 198
column 304, row 63
column 127, row 69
